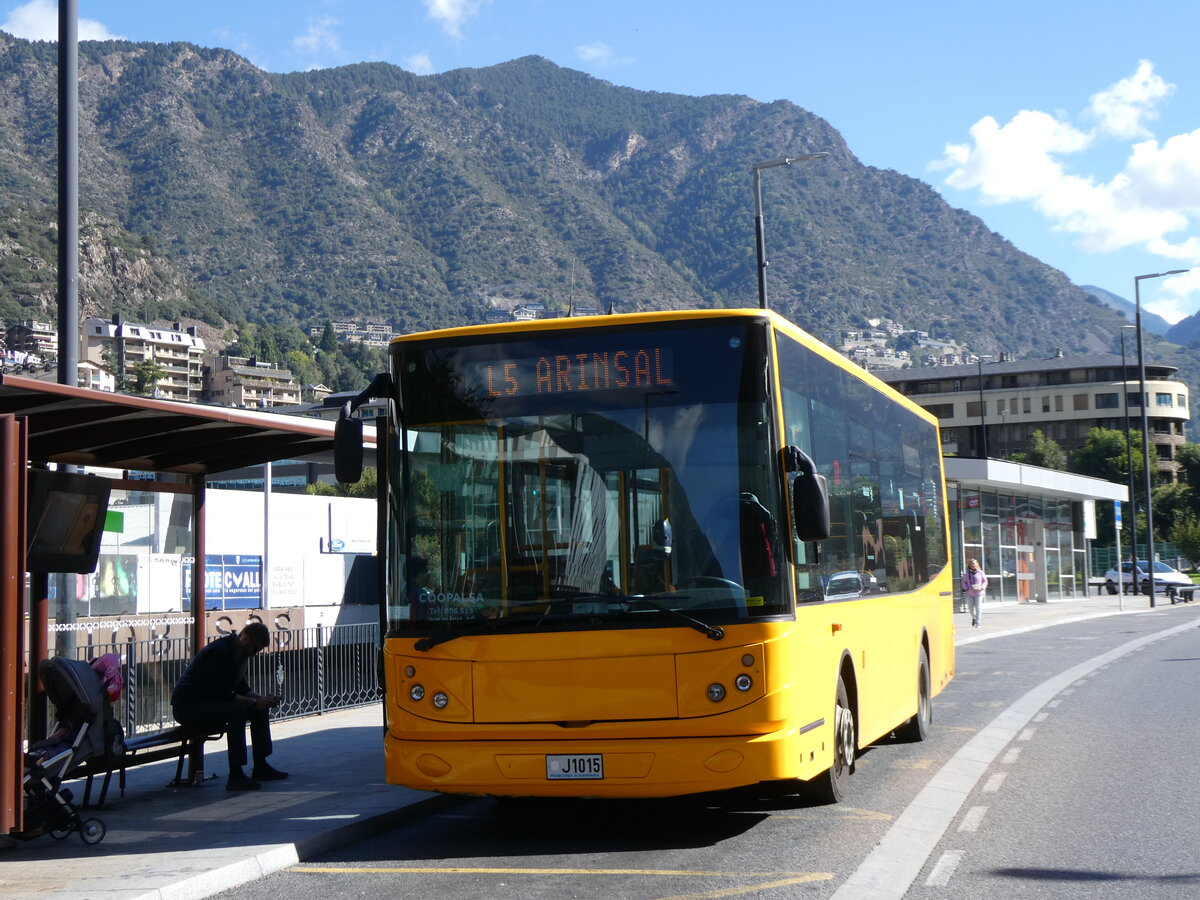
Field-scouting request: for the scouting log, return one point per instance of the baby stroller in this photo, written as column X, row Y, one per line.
column 78, row 695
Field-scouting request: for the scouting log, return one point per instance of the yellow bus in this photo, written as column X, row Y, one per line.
column 649, row 555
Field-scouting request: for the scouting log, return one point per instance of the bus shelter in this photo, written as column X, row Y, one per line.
column 158, row 446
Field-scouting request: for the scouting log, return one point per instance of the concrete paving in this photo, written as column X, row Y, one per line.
column 184, row 843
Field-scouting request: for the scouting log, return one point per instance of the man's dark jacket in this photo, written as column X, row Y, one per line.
column 213, row 675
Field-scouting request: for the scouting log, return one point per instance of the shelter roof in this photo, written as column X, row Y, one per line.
column 86, row 427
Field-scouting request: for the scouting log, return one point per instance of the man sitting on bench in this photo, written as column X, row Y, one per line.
column 213, row 692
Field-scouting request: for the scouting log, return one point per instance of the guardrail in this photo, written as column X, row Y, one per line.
column 316, row 670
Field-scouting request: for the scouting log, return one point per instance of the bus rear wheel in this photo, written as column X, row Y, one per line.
column 830, row 786
column 916, row 729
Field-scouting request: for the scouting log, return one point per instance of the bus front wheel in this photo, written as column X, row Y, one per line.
column 830, row 786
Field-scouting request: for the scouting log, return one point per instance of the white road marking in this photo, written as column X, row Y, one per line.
column 995, row 783
column 1011, row 756
column 973, row 819
column 944, row 870
column 890, row 869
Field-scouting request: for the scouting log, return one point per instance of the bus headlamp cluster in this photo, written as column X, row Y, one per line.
column 417, row 691
column 743, row 682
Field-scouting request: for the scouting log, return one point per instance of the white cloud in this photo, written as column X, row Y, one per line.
column 320, row 37
column 453, row 14
column 1174, row 300
column 600, row 54
column 596, row 51
column 1122, row 108
column 1152, row 204
column 37, row 20
column 419, row 64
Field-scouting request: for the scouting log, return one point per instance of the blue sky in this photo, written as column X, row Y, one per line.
column 1072, row 128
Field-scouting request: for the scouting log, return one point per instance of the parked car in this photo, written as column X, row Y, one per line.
column 845, row 585
column 1165, row 577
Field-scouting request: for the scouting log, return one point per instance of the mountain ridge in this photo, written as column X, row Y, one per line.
column 369, row 192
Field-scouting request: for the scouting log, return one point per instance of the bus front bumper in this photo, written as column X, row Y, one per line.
column 604, row 768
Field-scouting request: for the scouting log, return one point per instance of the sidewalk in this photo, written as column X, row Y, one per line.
column 172, row 843
column 194, row 842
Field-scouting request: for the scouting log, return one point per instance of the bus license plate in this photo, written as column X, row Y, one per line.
column 575, row 765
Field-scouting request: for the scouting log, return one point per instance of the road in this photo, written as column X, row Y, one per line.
column 1061, row 764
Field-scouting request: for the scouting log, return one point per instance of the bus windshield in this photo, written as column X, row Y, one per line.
column 586, row 478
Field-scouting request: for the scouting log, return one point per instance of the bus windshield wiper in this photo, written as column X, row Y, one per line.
column 430, row 641
column 712, row 632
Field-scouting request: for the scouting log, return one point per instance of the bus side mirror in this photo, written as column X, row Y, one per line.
column 348, row 449
column 810, row 496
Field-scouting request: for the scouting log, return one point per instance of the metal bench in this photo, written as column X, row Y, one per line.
column 183, row 742
column 1181, row 594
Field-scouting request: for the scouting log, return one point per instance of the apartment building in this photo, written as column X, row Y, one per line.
column 120, row 345
column 246, row 382
column 1001, row 404
column 32, row 336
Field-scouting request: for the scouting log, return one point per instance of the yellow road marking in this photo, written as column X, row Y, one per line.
column 792, row 877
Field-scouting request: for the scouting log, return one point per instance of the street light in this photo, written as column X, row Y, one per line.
column 982, row 419
column 760, row 241
column 1137, row 300
column 1133, row 554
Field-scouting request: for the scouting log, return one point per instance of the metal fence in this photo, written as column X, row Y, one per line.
column 1105, row 558
column 315, row 670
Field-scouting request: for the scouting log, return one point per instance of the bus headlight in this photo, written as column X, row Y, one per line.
column 440, row 700
column 417, row 692
column 743, row 682
column 716, row 692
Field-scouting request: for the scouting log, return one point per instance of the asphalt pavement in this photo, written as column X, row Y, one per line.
column 171, row 843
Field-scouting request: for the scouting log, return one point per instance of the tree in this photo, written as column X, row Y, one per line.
column 144, row 376
column 302, row 366
column 365, row 487
column 1188, row 456
column 1172, row 504
column 329, row 341
column 1186, row 536
column 1042, row 452
column 1103, row 455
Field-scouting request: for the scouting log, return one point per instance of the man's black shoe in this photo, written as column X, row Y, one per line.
column 266, row 773
column 239, row 782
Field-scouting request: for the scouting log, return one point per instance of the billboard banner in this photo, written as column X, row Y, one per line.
column 231, row 581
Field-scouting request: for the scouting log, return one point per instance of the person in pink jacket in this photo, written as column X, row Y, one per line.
column 974, row 584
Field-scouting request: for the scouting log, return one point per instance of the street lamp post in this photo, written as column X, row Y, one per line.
column 1137, row 300
column 983, row 443
column 1133, row 554
column 760, row 240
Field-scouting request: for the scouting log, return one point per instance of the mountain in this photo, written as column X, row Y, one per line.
column 1128, row 309
column 1185, row 331
column 220, row 193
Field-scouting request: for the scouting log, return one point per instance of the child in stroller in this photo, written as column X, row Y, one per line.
column 80, row 694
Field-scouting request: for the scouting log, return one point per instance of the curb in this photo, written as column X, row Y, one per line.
column 276, row 858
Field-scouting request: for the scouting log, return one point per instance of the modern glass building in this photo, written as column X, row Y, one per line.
column 1029, row 527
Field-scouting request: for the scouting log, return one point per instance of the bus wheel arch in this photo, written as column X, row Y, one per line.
column 831, row 785
column 916, row 729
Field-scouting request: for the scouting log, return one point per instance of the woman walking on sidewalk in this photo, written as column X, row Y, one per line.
column 974, row 583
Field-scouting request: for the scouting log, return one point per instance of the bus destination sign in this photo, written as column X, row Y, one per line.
column 595, row 370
